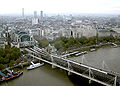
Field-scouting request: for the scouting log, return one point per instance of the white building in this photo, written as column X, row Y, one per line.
column 36, row 32
column 35, row 21
column 79, row 31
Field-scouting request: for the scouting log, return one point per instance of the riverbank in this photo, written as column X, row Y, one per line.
column 88, row 48
column 20, row 66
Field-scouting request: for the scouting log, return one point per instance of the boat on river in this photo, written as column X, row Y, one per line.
column 93, row 49
column 10, row 75
column 114, row 45
column 33, row 66
column 81, row 53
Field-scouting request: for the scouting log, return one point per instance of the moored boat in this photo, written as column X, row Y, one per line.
column 93, row 49
column 33, row 66
column 81, row 53
column 10, row 76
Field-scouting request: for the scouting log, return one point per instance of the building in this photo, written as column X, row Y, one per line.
column 35, row 21
column 22, row 12
column 36, row 32
column 66, row 32
column 79, row 31
column 41, row 15
column 21, row 39
column 35, row 14
column 116, row 32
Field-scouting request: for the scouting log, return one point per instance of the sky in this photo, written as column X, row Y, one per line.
column 60, row 6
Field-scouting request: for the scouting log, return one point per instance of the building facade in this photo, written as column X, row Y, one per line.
column 21, row 39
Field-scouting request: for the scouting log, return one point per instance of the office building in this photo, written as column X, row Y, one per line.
column 22, row 12
column 41, row 15
column 35, row 14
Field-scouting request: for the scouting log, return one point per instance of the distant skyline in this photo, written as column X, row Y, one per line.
column 60, row 6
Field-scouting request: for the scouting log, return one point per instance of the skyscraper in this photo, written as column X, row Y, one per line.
column 41, row 15
column 35, row 19
column 35, row 14
column 22, row 12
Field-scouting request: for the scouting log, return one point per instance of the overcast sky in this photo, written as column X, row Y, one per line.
column 60, row 6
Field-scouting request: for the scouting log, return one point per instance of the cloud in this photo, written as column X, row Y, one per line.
column 59, row 6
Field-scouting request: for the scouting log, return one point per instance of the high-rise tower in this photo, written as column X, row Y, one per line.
column 35, row 19
column 22, row 12
column 35, row 14
column 41, row 15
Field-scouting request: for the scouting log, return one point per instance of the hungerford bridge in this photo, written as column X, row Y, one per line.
column 107, row 78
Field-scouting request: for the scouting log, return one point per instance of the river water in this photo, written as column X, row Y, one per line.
column 43, row 76
column 107, row 58
column 46, row 76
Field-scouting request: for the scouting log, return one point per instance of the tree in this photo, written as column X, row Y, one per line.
column 15, row 53
column 43, row 43
column 58, row 45
column 24, row 52
column 71, row 42
column 8, row 56
column 2, row 52
column 1, row 66
column 77, row 43
column 6, row 60
column 12, row 62
column 83, row 40
column 92, row 40
column 25, row 60
column 7, row 49
column 2, row 60
column 64, row 39
column 18, row 61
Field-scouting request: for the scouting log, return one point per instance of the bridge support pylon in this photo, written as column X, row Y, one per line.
column 53, row 66
column 90, row 81
column 69, row 73
column 52, row 62
column 115, row 81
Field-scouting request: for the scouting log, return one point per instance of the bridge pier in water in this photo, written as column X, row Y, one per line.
column 53, row 66
column 69, row 73
column 90, row 81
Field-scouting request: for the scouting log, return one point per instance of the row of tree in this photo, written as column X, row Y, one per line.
column 65, row 43
column 42, row 42
column 8, row 56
